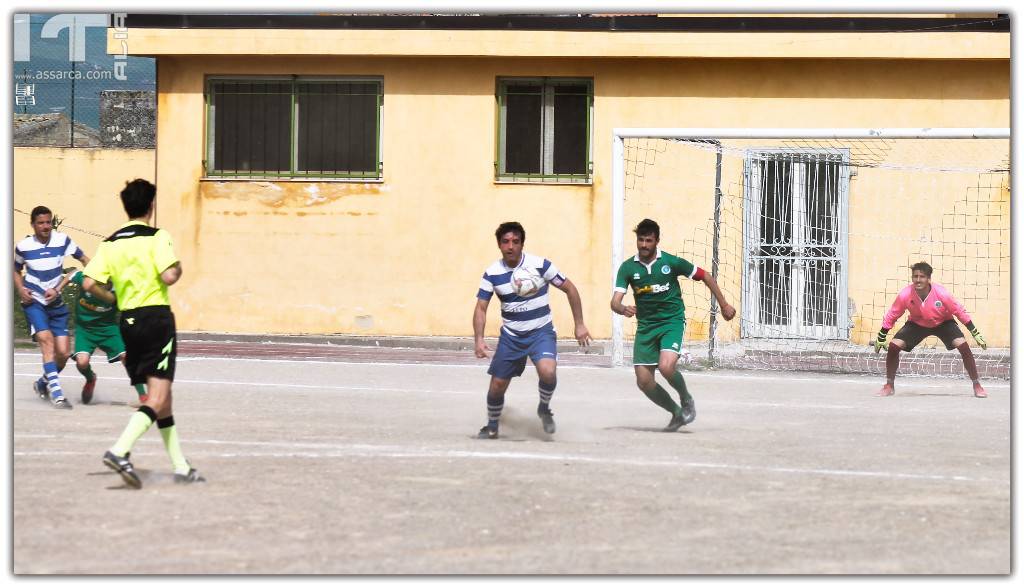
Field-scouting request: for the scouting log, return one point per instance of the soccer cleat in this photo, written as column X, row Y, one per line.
column 487, row 432
column 546, row 418
column 39, row 388
column 689, row 411
column 122, row 466
column 674, row 424
column 979, row 392
column 87, row 390
column 190, row 478
column 886, row 390
column 60, row 402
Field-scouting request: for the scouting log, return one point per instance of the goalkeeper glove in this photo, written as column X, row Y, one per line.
column 978, row 338
column 880, row 341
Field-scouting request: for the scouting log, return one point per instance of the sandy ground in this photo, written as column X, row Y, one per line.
column 364, row 461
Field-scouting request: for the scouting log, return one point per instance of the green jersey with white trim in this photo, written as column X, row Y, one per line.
column 656, row 291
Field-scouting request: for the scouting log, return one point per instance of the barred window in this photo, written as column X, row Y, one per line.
column 294, row 127
column 544, row 129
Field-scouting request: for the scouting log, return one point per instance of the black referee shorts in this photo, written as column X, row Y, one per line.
column 150, row 343
column 913, row 333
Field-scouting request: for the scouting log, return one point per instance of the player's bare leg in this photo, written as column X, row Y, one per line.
column 495, row 404
column 61, row 351
column 892, row 364
column 548, row 379
column 970, row 365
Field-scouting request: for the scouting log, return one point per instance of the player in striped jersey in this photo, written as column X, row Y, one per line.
column 41, row 256
column 526, row 329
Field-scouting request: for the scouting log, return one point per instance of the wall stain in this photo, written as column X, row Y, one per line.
column 288, row 194
column 286, row 213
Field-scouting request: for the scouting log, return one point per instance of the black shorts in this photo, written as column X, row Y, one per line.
column 913, row 333
column 150, row 343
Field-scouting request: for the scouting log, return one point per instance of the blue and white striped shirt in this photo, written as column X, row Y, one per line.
column 44, row 262
column 520, row 315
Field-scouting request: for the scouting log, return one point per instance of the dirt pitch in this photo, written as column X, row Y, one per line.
column 345, row 460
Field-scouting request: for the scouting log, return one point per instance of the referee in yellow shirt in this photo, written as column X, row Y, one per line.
column 138, row 261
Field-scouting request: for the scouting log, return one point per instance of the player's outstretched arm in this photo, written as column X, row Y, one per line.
column 619, row 308
column 576, row 304
column 480, row 348
column 727, row 310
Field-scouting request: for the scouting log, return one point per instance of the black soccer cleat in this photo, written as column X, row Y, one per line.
column 674, row 424
column 487, row 432
column 122, row 466
column 689, row 411
column 190, row 478
column 40, row 389
column 547, row 419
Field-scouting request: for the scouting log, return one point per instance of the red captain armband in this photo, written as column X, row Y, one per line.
column 698, row 275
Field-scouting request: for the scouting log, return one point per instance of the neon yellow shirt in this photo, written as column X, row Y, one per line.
column 132, row 259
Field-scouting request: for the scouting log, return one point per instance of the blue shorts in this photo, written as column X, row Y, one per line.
column 47, row 318
column 509, row 359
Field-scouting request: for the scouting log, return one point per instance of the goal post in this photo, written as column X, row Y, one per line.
column 810, row 233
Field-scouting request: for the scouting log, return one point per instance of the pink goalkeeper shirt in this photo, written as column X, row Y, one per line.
column 937, row 308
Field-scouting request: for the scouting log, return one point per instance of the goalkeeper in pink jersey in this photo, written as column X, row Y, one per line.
column 932, row 309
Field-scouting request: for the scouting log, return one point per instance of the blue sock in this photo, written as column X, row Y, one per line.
column 52, row 383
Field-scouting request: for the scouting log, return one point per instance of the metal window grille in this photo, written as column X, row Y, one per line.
column 294, row 127
column 544, row 129
column 796, row 277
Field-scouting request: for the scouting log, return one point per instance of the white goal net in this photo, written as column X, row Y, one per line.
column 811, row 235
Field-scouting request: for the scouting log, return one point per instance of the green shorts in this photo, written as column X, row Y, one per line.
column 106, row 337
column 650, row 341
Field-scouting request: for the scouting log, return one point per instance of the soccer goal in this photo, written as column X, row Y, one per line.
column 811, row 234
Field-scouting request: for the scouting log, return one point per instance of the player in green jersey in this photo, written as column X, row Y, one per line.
column 96, row 327
column 661, row 318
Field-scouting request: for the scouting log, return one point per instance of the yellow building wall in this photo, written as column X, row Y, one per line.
column 404, row 256
column 81, row 186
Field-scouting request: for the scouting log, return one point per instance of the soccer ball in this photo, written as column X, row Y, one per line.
column 526, row 281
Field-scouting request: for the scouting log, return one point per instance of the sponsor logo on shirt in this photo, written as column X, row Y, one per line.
column 652, row 289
